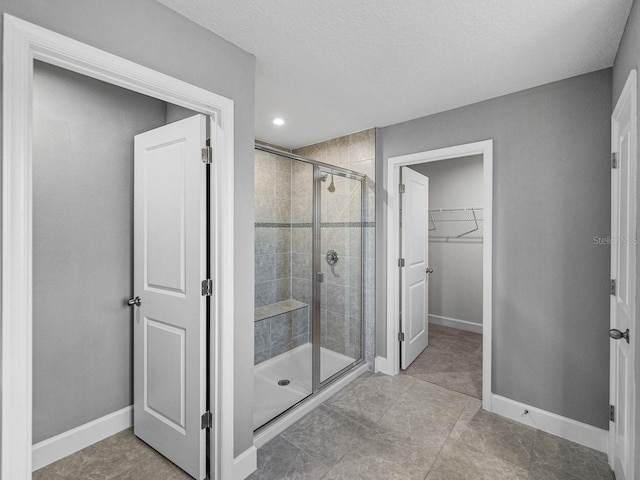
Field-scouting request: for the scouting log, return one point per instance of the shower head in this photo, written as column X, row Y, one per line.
column 332, row 187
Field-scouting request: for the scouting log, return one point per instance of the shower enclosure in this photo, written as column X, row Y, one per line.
column 309, row 278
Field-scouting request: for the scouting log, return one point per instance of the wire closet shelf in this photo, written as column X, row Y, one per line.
column 452, row 223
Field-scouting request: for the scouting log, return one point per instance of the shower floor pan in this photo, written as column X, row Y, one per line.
column 271, row 399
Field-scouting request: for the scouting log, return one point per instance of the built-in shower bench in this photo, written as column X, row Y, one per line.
column 278, row 308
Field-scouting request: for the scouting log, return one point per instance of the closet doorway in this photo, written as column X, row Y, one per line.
column 439, row 267
column 444, row 225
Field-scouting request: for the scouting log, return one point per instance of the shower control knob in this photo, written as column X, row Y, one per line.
column 332, row 257
column 134, row 301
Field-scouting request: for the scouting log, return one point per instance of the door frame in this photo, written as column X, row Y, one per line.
column 392, row 180
column 25, row 42
column 629, row 95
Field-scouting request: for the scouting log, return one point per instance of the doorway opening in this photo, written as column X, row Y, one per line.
column 455, row 221
column 119, row 221
column 25, row 217
column 439, row 268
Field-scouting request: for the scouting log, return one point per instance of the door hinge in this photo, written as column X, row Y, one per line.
column 613, row 287
column 207, row 287
column 401, row 262
column 614, row 160
column 612, row 413
column 402, row 188
column 401, row 336
column 207, row 155
column 206, row 421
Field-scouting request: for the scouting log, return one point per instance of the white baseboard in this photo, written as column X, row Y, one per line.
column 564, row 427
column 60, row 446
column 382, row 366
column 276, row 428
column 455, row 323
column 246, row 463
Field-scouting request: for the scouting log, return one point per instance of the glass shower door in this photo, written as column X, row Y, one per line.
column 283, row 352
column 339, row 271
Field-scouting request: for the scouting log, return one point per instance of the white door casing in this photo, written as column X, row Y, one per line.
column 391, row 364
column 23, row 43
column 414, row 305
column 623, row 272
column 169, row 264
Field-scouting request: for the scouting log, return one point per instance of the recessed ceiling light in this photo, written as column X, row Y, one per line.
column 278, row 121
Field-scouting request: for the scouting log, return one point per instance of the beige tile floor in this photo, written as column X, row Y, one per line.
column 120, row 457
column 401, row 427
column 452, row 360
column 378, row 427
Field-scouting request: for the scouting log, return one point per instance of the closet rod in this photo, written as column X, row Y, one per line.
column 461, row 209
column 473, row 222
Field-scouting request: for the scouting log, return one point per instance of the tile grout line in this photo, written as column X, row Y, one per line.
column 396, row 401
column 473, row 447
column 304, row 452
column 443, row 443
column 346, row 416
column 392, row 405
column 446, row 388
column 376, row 423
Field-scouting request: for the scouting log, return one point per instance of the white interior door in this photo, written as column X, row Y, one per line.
column 414, row 277
column 623, row 261
column 169, row 265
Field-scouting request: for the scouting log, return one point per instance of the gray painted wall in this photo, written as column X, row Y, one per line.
column 455, row 286
column 82, row 246
column 551, row 196
column 627, row 59
column 176, row 113
column 150, row 34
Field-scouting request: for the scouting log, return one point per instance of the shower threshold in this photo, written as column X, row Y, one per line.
column 271, row 398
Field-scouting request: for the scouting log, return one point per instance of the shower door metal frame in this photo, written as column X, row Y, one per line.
column 317, row 383
column 319, row 169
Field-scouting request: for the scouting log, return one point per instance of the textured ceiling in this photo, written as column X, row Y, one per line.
column 333, row 67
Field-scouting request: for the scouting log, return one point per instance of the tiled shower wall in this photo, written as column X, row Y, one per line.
column 273, row 258
column 301, row 231
column 340, row 303
column 273, row 234
column 341, row 293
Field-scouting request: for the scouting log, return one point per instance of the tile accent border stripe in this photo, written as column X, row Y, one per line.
column 563, row 427
column 309, row 225
column 74, row 440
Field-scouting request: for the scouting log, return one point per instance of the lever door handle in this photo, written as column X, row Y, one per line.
column 617, row 334
column 429, row 270
column 134, row 301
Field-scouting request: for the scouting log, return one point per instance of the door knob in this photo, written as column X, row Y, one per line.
column 134, row 301
column 429, row 270
column 617, row 334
